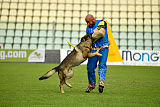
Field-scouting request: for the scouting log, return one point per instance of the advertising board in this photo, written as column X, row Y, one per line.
column 17, row 55
column 130, row 57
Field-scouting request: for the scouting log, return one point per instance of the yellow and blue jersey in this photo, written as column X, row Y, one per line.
column 101, row 41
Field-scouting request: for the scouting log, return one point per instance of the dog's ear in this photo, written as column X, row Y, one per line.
column 89, row 35
column 83, row 39
column 86, row 37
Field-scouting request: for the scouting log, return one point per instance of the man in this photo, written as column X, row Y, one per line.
column 102, row 43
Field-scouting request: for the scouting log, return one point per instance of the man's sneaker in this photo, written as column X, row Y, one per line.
column 90, row 88
column 101, row 86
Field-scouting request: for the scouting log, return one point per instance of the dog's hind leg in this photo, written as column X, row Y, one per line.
column 69, row 75
column 61, row 86
column 69, row 85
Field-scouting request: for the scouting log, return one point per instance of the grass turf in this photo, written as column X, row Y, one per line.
column 125, row 86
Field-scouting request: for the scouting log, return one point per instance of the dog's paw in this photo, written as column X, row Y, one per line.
column 70, row 86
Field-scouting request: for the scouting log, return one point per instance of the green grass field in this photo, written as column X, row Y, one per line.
column 125, row 86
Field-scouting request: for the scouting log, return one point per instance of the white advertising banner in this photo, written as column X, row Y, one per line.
column 130, row 57
column 141, row 57
column 22, row 55
column 37, row 56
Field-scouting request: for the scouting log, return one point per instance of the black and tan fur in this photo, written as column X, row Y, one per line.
column 80, row 53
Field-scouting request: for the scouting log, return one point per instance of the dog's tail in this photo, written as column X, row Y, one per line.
column 49, row 73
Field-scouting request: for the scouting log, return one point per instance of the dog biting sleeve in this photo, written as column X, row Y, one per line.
column 99, row 32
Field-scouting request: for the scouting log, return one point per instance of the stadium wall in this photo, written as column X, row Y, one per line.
column 130, row 57
column 52, row 56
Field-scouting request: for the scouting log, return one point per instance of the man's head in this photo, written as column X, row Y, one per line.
column 90, row 20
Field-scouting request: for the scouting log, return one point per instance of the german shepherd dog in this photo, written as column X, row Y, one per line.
column 79, row 54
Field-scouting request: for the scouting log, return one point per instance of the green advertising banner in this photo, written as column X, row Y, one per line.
column 20, row 55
